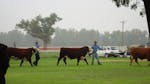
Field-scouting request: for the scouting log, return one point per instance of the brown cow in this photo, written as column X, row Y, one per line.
column 139, row 52
column 21, row 53
column 73, row 53
column 4, row 62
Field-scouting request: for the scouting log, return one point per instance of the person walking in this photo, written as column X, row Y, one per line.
column 94, row 54
column 37, row 54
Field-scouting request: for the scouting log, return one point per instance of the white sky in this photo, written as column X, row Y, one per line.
column 101, row 15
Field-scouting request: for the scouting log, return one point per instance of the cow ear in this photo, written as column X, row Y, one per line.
column 3, row 47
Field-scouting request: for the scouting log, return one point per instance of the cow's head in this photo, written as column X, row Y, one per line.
column 34, row 50
column 2, row 47
column 86, row 49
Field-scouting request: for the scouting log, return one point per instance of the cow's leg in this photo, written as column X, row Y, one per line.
column 2, row 80
column 21, row 62
column 85, row 61
column 148, row 64
column 30, row 61
column 78, row 60
column 59, row 60
column 136, row 60
column 131, row 60
column 64, row 59
column 148, row 61
column 2, row 77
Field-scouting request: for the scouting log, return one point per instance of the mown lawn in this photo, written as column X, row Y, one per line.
column 112, row 71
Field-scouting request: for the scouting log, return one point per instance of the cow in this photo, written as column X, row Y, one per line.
column 139, row 52
column 4, row 62
column 21, row 53
column 73, row 53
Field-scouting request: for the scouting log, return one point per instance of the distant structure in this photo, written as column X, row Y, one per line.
column 122, row 22
column 14, row 44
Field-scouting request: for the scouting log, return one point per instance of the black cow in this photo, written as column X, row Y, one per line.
column 21, row 53
column 73, row 53
column 4, row 62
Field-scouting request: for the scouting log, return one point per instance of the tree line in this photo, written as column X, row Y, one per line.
column 72, row 37
column 83, row 37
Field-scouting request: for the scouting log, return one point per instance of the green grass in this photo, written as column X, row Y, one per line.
column 112, row 71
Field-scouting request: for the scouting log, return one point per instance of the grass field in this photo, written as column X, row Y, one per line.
column 112, row 71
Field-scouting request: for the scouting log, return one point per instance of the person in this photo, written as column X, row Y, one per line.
column 94, row 54
column 37, row 45
column 37, row 54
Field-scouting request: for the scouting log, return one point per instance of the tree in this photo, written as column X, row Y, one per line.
column 134, row 5
column 135, row 36
column 40, row 27
column 15, row 38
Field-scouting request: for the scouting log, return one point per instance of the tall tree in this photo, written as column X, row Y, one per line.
column 40, row 27
column 134, row 5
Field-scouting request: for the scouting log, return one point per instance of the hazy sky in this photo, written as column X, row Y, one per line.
column 101, row 15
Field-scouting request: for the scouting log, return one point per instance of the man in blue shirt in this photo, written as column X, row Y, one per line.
column 95, row 47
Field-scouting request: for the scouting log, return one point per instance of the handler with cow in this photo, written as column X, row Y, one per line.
column 94, row 54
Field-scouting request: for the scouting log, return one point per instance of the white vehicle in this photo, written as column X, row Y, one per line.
column 107, row 50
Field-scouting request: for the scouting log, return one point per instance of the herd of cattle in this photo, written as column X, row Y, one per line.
column 72, row 53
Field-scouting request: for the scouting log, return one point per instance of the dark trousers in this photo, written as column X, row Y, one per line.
column 37, row 58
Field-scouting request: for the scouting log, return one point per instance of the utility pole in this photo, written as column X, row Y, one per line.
column 123, row 23
column 14, row 44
